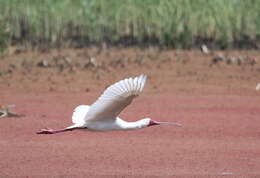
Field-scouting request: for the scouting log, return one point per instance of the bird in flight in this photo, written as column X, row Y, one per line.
column 102, row 115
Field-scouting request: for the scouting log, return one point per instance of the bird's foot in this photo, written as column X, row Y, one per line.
column 46, row 131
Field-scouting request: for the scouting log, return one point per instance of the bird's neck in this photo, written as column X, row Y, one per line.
column 124, row 125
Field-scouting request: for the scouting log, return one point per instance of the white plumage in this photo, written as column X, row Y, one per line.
column 79, row 114
column 115, row 98
column 102, row 114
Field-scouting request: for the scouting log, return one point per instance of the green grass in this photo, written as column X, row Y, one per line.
column 169, row 23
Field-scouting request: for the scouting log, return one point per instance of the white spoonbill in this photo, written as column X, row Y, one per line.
column 102, row 114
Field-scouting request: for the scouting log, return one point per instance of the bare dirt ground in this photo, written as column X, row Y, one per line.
column 212, row 95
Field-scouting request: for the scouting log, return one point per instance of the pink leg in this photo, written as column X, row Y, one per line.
column 52, row 131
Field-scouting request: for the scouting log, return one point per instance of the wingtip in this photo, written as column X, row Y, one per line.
column 143, row 76
column 142, row 80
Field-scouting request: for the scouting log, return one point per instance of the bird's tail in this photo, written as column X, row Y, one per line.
column 79, row 114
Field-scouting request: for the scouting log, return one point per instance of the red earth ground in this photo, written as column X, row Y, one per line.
column 216, row 103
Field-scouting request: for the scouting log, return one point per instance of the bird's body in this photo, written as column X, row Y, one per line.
column 113, row 124
column 102, row 115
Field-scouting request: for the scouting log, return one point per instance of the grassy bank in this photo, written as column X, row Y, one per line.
column 170, row 23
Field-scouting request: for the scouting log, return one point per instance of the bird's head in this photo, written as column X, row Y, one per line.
column 147, row 122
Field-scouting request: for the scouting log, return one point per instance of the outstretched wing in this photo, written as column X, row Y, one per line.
column 115, row 98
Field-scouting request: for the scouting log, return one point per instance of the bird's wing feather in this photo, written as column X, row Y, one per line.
column 115, row 98
column 79, row 114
